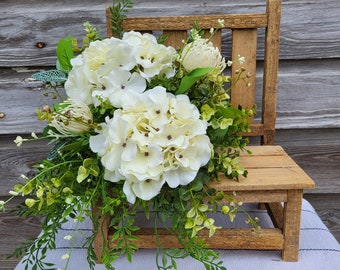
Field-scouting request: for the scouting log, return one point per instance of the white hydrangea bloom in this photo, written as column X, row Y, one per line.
column 103, row 55
column 83, row 77
column 117, row 84
column 91, row 70
column 112, row 67
column 202, row 53
column 155, row 138
column 152, row 58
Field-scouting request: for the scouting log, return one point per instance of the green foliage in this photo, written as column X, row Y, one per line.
column 64, row 54
column 117, row 10
column 191, row 78
column 92, row 34
column 50, row 76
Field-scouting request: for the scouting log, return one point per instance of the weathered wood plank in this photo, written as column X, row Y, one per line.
column 268, row 239
column 308, row 94
column 13, row 232
column 19, row 91
column 16, row 161
column 24, row 23
column 317, row 151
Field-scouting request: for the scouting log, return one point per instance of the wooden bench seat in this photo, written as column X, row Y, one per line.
column 275, row 180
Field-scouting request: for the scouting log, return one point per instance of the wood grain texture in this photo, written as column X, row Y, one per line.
column 317, row 151
column 267, row 239
column 291, row 225
column 269, row 169
column 13, row 232
column 24, row 23
column 18, row 161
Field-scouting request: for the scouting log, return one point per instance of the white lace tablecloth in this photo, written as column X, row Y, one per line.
column 319, row 250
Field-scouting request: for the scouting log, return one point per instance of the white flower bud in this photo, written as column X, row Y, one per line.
column 221, row 22
column 241, row 59
column 65, row 256
column 34, row 135
column 13, row 193
column 19, row 140
column 68, row 237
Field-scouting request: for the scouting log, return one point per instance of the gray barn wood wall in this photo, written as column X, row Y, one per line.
column 308, row 120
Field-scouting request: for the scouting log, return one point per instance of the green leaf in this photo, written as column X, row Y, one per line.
column 173, row 264
column 191, row 213
column 164, row 260
column 185, row 195
column 129, row 257
column 65, row 54
column 197, row 185
column 190, row 79
column 83, row 173
column 50, row 76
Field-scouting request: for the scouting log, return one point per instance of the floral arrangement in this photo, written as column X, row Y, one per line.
column 142, row 126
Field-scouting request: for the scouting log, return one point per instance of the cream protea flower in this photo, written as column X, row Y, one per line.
column 201, row 53
column 71, row 118
column 155, row 138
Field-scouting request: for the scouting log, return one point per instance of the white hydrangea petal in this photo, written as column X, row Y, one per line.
column 130, row 195
column 205, row 148
column 129, row 151
column 113, row 176
column 118, row 128
column 97, row 144
column 117, row 84
column 173, row 178
column 147, row 190
column 112, row 158
column 77, row 85
column 123, row 54
column 144, row 167
column 180, row 176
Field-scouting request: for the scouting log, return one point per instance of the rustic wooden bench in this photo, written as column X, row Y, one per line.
column 274, row 179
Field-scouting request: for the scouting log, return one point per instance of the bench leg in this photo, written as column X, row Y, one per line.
column 291, row 225
column 275, row 211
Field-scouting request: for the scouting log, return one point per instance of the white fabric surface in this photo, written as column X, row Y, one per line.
column 319, row 250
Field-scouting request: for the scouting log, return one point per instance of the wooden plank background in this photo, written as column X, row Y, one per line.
column 308, row 120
